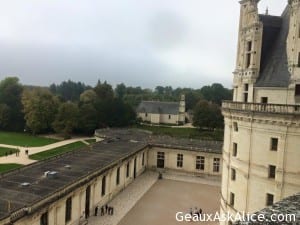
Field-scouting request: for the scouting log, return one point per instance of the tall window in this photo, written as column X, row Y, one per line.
column 44, row 219
column 68, row 209
column 146, row 114
column 274, row 144
column 272, row 171
column 246, row 87
column 245, row 97
column 233, row 174
column 234, row 149
column 160, row 159
column 248, row 54
column 143, row 159
column 231, row 199
column 169, row 117
column 269, row 199
column 299, row 59
column 127, row 169
column 297, row 90
column 118, row 176
column 216, row 166
column 200, row 162
column 235, row 126
column 179, row 160
column 103, row 186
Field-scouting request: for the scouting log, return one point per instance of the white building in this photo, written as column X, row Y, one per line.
column 262, row 124
column 157, row 112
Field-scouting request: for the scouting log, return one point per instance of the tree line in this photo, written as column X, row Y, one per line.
column 73, row 107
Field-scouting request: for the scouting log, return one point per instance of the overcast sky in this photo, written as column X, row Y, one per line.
column 186, row 43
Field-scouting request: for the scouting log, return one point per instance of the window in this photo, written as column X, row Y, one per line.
column 274, row 144
column 235, row 126
column 233, row 174
column 200, row 162
column 146, row 114
column 246, row 87
column 245, row 97
column 143, row 159
column 269, row 199
column 44, row 219
column 264, row 100
column 216, row 166
column 68, row 209
column 179, row 160
column 118, row 176
column 234, row 149
column 103, row 186
column 249, row 46
column 160, row 159
column 272, row 171
column 299, row 59
column 169, row 117
column 127, row 170
column 297, row 90
column 231, row 199
column 248, row 60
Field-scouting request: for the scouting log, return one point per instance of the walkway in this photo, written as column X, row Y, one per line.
column 127, row 199
column 24, row 159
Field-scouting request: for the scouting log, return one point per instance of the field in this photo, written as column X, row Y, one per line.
column 57, row 151
column 9, row 151
column 9, row 166
column 21, row 139
column 185, row 132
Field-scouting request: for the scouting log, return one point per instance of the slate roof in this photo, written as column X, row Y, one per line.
column 287, row 206
column 158, row 107
column 274, row 64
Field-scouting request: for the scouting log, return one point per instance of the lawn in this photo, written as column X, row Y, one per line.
column 91, row 141
column 9, row 166
column 184, row 132
column 57, row 151
column 8, row 150
column 22, row 139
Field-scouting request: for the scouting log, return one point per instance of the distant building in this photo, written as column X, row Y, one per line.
column 262, row 123
column 157, row 112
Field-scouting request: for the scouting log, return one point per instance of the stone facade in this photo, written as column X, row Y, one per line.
column 262, row 123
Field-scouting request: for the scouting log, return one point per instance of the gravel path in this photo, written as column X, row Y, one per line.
column 127, row 199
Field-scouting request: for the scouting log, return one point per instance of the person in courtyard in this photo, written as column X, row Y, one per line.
column 96, row 210
column 106, row 208
column 102, row 211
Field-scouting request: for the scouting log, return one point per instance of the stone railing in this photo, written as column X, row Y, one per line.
column 261, row 107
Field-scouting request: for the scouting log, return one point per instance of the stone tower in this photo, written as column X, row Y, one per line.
column 181, row 118
column 262, row 123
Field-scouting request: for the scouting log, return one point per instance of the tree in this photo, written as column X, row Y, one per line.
column 66, row 119
column 104, row 91
column 87, row 118
column 10, row 95
column 207, row 115
column 120, row 90
column 88, row 96
column 4, row 116
column 40, row 107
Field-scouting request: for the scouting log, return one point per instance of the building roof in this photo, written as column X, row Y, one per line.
column 287, row 206
column 158, row 107
column 71, row 168
column 274, row 63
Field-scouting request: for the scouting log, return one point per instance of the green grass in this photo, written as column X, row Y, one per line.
column 8, row 150
column 21, row 139
column 184, row 132
column 57, row 151
column 91, row 141
column 9, row 166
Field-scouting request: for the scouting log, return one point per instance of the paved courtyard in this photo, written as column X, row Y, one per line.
column 148, row 201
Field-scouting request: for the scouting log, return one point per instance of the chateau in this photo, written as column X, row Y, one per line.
column 262, row 123
column 157, row 112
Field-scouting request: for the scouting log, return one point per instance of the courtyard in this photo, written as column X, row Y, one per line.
column 167, row 197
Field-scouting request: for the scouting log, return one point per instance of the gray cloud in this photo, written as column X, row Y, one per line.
column 145, row 43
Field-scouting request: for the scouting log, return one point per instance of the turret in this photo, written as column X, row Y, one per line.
column 249, row 51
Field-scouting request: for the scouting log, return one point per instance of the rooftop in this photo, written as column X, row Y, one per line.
column 158, row 107
column 287, row 206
